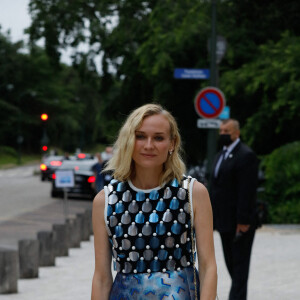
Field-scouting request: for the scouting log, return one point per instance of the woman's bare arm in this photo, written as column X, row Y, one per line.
column 102, row 279
column 203, row 222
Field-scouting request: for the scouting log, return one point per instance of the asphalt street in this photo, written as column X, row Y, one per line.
column 21, row 191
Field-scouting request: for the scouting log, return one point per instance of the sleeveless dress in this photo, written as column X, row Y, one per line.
column 150, row 235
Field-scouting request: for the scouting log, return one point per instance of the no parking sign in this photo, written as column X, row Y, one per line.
column 209, row 103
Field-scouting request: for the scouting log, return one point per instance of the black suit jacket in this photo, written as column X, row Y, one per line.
column 233, row 192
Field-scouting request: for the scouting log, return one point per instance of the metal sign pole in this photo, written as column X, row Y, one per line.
column 65, row 203
column 212, row 133
column 65, row 179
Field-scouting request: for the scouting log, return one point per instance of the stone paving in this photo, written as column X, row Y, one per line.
column 274, row 273
column 275, row 265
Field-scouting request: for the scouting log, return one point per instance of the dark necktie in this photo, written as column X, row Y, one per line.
column 221, row 158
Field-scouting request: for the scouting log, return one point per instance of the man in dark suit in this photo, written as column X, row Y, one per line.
column 233, row 196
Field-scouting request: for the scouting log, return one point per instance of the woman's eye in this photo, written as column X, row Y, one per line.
column 159, row 138
column 139, row 136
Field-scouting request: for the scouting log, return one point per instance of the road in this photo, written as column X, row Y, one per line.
column 21, row 191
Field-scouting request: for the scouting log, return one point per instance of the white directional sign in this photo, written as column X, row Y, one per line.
column 64, row 178
column 208, row 123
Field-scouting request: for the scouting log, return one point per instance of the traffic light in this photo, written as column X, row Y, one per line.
column 44, row 117
column 44, row 140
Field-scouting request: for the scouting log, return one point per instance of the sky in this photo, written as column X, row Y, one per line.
column 14, row 16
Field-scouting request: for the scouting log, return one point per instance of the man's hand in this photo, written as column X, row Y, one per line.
column 242, row 228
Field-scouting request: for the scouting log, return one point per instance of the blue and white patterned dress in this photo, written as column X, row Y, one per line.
column 150, row 235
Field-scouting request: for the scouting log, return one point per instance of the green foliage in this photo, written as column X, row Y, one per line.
column 269, row 106
column 144, row 44
column 9, row 161
column 249, row 24
column 31, row 85
column 145, row 40
column 282, row 173
column 9, row 157
column 4, row 150
column 285, row 213
column 282, row 185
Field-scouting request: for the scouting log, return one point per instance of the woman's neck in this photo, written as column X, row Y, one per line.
column 146, row 179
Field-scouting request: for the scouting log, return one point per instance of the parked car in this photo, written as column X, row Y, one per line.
column 83, row 179
column 49, row 165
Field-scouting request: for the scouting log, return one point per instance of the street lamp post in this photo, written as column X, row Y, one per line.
column 20, row 140
column 212, row 133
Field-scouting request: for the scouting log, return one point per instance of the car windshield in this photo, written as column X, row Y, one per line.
column 78, row 165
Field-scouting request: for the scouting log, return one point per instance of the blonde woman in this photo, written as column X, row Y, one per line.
column 143, row 218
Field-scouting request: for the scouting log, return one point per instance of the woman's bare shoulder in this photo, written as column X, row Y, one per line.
column 99, row 200
column 199, row 189
column 200, row 195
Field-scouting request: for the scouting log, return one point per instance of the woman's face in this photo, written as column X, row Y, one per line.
column 152, row 142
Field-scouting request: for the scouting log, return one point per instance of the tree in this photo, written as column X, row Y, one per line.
column 31, row 85
column 143, row 41
column 147, row 41
column 270, row 102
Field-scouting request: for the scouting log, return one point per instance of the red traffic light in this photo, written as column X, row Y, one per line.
column 44, row 148
column 44, row 117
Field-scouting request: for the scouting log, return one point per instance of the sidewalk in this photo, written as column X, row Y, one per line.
column 274, row 273
column 275, row 264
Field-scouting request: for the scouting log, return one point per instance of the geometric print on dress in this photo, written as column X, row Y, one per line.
column 174, row 285
column 149, row 232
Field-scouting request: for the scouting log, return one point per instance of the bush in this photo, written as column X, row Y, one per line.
column 288, row 212
column 282, row 184
column 8, row 156
column 7, row 151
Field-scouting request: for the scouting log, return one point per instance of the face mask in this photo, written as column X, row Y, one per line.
column 225, row 140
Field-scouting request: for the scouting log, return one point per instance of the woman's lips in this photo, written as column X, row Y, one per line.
column 148, row 155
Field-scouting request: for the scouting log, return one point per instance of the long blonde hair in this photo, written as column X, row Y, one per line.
column 122, row 164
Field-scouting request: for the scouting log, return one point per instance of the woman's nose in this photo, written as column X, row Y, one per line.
column 149, row 143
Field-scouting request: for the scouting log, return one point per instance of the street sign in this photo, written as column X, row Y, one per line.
column 191, row 73
column 208, row 123
column 209, row 102
column 64, row 178
column 225, row 114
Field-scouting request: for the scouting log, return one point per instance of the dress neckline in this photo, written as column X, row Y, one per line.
column 141, row 190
